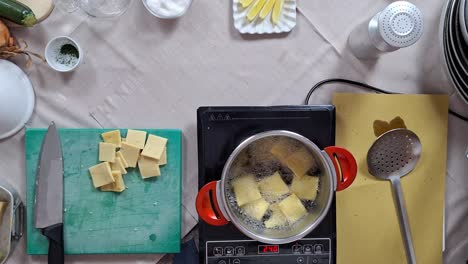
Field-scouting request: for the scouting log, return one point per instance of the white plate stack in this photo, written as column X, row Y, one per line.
column 454, row 36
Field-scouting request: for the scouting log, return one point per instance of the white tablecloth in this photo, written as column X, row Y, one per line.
column 140, row 71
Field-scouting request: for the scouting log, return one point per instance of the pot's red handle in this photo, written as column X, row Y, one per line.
column 204, row 206
column 347, row 165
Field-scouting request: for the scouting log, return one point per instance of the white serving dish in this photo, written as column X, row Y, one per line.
column 17, row 99
column 286, row 23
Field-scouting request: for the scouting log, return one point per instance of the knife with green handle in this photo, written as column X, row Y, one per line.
column 49, row 194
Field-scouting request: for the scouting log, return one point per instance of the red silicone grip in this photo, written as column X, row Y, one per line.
column 204, row 206
column 347, row 163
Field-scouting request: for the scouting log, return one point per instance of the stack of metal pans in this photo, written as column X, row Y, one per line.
column 455, row 44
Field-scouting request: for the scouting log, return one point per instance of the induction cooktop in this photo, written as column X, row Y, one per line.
column 220, row 130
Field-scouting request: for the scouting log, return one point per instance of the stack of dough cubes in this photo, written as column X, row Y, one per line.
column 117, row 154
column 256, row 196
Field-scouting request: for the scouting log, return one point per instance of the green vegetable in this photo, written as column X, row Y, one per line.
column 17, row 13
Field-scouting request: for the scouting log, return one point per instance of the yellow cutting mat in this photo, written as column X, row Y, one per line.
column 367, row 223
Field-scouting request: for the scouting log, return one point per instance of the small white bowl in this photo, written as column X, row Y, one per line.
column 52, row 52
column 166, row 17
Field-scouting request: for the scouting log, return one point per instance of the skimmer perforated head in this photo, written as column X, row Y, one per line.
column 395, row 153
column 401, row 24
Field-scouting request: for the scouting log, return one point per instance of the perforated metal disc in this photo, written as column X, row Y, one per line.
column 401, row 24
column 394, row 153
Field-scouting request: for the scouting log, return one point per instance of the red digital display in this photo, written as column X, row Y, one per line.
column 268, row 249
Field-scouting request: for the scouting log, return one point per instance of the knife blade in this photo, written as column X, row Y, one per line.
column 48, row 203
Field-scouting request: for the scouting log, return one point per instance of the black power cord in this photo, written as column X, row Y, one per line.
column 366, row 86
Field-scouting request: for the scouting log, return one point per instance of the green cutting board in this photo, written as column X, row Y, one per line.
column 145, row 218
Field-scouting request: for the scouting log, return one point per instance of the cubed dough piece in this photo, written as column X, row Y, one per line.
column 101, row 174
column 154, row 147
column 130, row 154
column 136, row 138
column 292, row 208
column 112, row 137
column 277, row 218
column 256, row 209
column 119, row 155
column 281, row 149
column 148, row 167
column 246, row 189
column 118, row 165
column 3, row 207
column 163, row 160
column 117, row 186
column 106, row 152
column 305, row 187
column 272, row 187
column 300, row 162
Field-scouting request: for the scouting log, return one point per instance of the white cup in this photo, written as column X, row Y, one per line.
column 52, row 54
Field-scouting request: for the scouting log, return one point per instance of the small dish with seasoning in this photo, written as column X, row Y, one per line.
column 63, row 54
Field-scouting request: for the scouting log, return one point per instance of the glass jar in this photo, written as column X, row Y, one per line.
column 105, row 8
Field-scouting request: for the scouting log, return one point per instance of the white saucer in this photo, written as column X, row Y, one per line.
column 16, row 99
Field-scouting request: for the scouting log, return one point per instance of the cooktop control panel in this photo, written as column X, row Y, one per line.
column 304, row 251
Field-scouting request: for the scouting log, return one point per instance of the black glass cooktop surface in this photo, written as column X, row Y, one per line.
column 220, row 130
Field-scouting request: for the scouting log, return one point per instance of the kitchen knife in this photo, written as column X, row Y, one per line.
column 48, row 203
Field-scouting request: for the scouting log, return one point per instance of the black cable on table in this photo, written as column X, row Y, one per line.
column 363, row 85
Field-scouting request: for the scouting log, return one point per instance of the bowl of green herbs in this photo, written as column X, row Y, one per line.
column 63, row 54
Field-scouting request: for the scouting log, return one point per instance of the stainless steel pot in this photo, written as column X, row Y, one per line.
column 338, row 170
column 11, row 224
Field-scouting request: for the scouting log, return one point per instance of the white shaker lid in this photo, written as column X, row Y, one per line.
column 401, row 24
column 16, row 99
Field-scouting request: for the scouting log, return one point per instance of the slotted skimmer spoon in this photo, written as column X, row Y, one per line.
column 393, row 155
